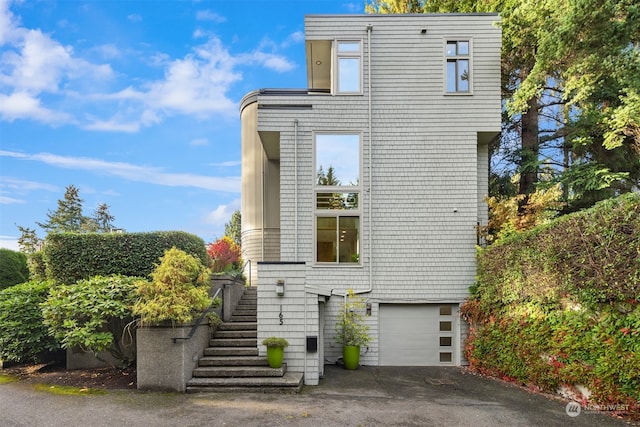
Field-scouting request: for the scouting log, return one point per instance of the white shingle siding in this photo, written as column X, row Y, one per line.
column 428, row 171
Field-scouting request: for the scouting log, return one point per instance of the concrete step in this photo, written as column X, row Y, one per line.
column 235, row 318
column 290, row 382
column 233, row 342
column 238, row 371
column 238, row 326
column 231, row 351
column 245, row 312
column 233, row 361
column 236, row 334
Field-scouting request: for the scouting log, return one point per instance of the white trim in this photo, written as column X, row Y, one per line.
column 444, row 64
column 335, row 74
column 328, row 213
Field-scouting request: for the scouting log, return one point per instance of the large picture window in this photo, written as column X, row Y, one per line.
column 337, row 194
column 348, row 67
column 458, row 66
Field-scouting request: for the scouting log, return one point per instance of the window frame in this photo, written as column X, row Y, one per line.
column 337, row 213
column 456, row 58
column 337, row 55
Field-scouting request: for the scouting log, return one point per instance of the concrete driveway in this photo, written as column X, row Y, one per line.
column 370, row 396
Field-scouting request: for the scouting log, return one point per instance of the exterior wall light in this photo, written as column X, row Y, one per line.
column 280, row 287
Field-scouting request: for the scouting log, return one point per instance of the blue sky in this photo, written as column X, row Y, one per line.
column 136, row 104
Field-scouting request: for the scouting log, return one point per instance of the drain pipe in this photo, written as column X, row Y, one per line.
column 370, row 167
column 369, row 28
column 295, row 190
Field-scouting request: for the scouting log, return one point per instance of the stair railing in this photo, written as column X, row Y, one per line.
column 244, row 266
column 200, row 319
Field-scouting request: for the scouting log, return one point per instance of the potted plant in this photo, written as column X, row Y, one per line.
column 351, row 331
column 275, row 350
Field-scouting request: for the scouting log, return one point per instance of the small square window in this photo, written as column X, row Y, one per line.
column 445, row 341
column 445, row 326
column 446, row 357
column 445, row 310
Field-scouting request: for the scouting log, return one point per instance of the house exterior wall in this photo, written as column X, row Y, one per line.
column 293, row 316
column 424, row 168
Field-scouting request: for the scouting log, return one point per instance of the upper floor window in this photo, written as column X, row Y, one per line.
column 337, row 194
column 458, row 66
column 348, row 67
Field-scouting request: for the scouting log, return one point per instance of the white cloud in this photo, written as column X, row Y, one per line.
column 222, row 214
column 8, row 23
column 199, row 142
column 353, row 7
column 21, row 105
column 227, row 164
column 108, row 51
column 207, row 15
column 197, row 84
column 40, row 64
column 134, row 17
column 4, row 200
column 9, row 242
column 113, row 125
column 23, row 186
column 294, row 38
column 133, row 172
column 269, row 60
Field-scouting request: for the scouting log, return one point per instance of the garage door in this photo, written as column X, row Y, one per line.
column 417, row 334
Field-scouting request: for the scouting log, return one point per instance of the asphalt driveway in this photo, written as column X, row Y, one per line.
column 370, row 396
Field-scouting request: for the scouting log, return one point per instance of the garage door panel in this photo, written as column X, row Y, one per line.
column 410, row 335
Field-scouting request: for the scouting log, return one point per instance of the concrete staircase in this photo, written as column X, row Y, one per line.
column 231, row 362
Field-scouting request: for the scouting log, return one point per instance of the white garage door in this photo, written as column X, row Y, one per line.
column 418, row 334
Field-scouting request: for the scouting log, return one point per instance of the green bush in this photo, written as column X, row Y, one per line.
column 591, row 256
column 37, row 267
column 13, row 268
column 178, row 291
column 70, row 257
column 558, row 305
column 23, row 336
column 92, row 314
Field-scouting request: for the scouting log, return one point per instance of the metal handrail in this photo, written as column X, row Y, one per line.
column 200, row 319
column 243, row 268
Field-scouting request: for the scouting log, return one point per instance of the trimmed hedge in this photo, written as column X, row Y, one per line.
column 70, row 257
column 23, row 335
column 558, row 306
column 13, row 268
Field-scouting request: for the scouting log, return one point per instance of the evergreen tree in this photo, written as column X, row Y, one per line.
column 68, row 216
column 233, row 229
column 29, row 242
column 102, row 219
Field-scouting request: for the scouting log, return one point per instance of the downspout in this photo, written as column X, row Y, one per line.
column 264, row 186
column 369, row 28
column 295, row 190
column 295, row 226
column 370, row 144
